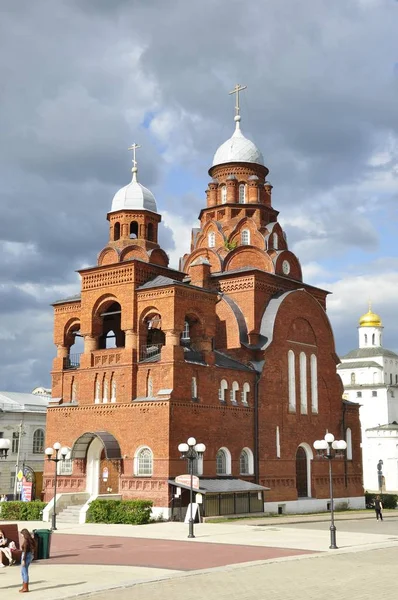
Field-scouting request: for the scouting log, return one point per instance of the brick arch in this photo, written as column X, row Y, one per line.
column 210, row 254
column 108, row 256
column 98, row 307
column 295, row 267
column 227, row 327
column 256, row 238
column 132, row 252
column 157, row 256
column 70, row 326
column 248, row 256
column 201, row 241
column 283, row 310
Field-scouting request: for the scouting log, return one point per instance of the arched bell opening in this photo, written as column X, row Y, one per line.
column 112, row 335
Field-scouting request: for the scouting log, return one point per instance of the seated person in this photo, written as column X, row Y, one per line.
column 4, row 548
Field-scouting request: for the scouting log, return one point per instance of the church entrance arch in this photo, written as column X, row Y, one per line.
column 303, row 471
column 101, row 452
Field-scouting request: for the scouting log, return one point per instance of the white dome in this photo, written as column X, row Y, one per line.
column 238, row 149
column 134, row 196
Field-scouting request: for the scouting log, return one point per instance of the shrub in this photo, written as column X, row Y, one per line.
column 131, row 512
column 22, row 511
column 387, row 500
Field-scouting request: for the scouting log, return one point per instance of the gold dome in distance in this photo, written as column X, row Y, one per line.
column 370, row 319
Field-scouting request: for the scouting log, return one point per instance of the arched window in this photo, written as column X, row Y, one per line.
column 242, row 193
column 149, row 232
column 366, row 339
column 116, row 231
column 65, row 467
column 223, row 462
column 234, row 392
column 113, row 388
column 314, row 384
column 348, row 439
column 292, row 380
column 194, row 388
column 303, row 384
column 38, row 442
column 245, row 393
column 246, row 462
column 223, row 194
column 245, row 237
column 211, row 238
column 133, row 230
column 275, row 241
column 222, row 390
column 143, row 462
column 373, row 339
column 352, row 378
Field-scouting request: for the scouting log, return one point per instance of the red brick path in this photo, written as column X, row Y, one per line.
column 165, row 554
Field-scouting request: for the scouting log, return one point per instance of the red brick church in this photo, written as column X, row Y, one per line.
column 233, row 349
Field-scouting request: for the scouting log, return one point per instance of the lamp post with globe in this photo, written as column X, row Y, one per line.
column 330, row 449
column 191, row 451
column 63, row 451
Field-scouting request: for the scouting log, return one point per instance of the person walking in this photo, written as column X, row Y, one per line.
column 378, row 508
column 27, row 547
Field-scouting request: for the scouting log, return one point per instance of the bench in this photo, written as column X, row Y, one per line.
column 11, row 533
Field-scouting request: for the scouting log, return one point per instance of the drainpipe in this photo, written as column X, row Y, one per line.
column 256, row 444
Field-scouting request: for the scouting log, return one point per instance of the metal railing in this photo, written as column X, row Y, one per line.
column 72, row 361
column 150, row 351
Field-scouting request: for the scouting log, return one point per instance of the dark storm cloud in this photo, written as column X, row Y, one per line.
column 82, row 80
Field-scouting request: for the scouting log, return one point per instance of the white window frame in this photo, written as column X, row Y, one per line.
column 138, row 470
column 223, row 388
column 245, row 393
column 113, row 389
column 65, row 467
column 211, row 239
column 275, row 241
column 227, row 461
column 36, row 448
column 223, row 194
column 242, row 193
column 234, row 392
column 97, row 390
column 245, row 237
column 250, row 462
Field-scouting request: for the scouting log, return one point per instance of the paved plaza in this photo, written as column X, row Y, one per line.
column 249, row 559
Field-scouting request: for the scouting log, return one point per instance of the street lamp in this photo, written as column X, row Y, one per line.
column 191, row 451
column 49, row 453
column 4, row 447
column 330, row 448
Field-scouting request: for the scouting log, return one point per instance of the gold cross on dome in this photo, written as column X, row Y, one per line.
column 238, row 88
column 134, row 147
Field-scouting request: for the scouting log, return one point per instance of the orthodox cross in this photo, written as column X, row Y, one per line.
column 134, row 147
column 238, row 88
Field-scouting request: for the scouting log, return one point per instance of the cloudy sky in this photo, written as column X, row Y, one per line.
column 83, row 79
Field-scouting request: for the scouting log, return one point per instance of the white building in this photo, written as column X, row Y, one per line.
column 23, row 422
column 370, row 378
